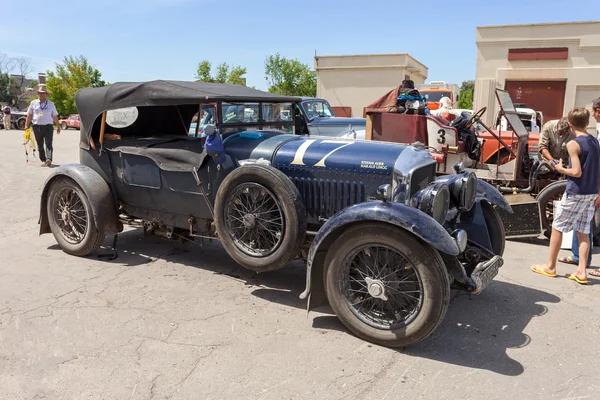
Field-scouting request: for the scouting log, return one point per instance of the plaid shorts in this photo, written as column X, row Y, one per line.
column 575, row 213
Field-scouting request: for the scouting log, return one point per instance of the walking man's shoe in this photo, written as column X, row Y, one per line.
column 48, row 163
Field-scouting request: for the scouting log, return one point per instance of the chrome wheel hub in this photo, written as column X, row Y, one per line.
column 249, row 220
column 376, row 288
column 65, row 215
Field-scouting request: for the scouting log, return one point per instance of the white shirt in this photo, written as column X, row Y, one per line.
column 42, row 112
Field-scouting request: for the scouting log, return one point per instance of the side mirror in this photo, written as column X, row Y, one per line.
column 209, row 130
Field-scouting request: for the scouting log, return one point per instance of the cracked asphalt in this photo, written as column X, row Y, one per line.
column 171, row 321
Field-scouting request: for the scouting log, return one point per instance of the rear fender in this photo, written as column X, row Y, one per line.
column 399, row 215
column 95, row 188
column 485, row 191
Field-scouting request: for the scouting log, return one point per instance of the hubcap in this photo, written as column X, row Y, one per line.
column 376, row 288
column 249, row 220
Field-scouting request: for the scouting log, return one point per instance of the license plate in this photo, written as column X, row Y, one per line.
column 486, row 274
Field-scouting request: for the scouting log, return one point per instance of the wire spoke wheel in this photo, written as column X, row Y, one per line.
column 71, row 218
column 386, row 285
column 381, row 286
column 71, row 215
column 254, row 220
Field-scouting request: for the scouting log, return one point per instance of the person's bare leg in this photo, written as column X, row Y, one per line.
column 584, row 248
column 555, row 242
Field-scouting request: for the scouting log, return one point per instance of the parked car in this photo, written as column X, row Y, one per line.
column 322, row 121
column 72, row 121
column 383, row 239
column 17, row 119
column 507, row 159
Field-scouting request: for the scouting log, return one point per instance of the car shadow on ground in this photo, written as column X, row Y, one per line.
column 138, row 250
column 476, row 332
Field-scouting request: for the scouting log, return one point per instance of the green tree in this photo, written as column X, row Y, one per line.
column 225, row 73
column 70, row 76
column 465, row 96
column 289, row 77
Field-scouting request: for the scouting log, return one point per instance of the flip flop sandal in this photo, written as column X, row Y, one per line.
column 537, row 270
column 576, row 279
column 568, row 260
column 595, row 273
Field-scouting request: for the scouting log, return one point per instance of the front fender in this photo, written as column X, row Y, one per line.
column 485, row 191
column 95, row 188
column 400, row 215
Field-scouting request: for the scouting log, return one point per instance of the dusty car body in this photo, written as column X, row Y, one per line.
column 72, row 121
column 383, row 238
column 322, row 121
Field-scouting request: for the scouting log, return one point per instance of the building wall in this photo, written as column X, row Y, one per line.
column 356, row 81
column 580, row 70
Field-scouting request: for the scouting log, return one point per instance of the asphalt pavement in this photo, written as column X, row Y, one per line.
column 172, row 321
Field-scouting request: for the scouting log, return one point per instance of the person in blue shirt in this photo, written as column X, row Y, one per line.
column 578, row 205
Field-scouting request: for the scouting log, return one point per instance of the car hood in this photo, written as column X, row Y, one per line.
column 343, row 156
column 339, row 121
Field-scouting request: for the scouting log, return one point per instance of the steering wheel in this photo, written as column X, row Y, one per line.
column 475, row 118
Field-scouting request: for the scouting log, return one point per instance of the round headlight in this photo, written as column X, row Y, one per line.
column 434, row 201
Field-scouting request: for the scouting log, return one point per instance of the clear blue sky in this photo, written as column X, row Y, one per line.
column 133, row 40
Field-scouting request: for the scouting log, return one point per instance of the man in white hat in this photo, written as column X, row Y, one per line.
column 43, row 113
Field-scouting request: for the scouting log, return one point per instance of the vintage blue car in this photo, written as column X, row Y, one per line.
column 383, row 238
column 322, row 121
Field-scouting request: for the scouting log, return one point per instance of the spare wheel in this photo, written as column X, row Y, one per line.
column 260, row 217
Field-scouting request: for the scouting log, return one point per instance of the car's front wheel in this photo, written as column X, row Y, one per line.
column 63, row 126
column 71, row 218
column 386, row 285
column 21, row 123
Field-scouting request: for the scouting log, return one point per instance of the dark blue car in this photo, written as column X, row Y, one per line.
column 384, row 240
column 322, row 121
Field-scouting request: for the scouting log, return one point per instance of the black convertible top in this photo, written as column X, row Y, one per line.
column 92, row 102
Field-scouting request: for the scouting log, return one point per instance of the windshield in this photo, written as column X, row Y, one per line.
column 435, row 96
column 317, row 108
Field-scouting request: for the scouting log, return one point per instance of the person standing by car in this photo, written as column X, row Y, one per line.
column 6, row 115
column 42, row 113
column 580, row 199
column 554, row 138
column 574, row 259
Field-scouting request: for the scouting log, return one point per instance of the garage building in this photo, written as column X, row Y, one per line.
column 352, row 82
column 551, row 67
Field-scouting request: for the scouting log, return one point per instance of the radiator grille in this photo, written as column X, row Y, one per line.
column 421, row 178
column 325, row 197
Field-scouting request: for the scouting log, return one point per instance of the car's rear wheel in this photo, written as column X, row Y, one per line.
column 64, row 126
column 260, row 218
column 71, row 218
column 386, row 285
column 21, row 123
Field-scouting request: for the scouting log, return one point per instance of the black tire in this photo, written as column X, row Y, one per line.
column 63, row 126
column 495, row 228
column 545, row 198
column 282, row 196
column 79, row 210
column 412, row 257
column 21, row 123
